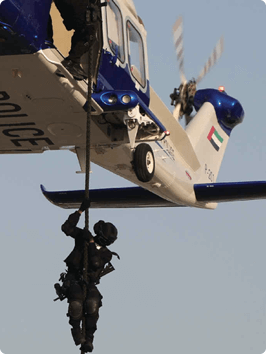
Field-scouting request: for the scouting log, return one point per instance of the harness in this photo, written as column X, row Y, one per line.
column 66, row 280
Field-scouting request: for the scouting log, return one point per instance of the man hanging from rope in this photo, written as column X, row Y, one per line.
column 99, row 257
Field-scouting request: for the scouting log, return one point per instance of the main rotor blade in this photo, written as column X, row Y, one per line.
column 178, row 42
column 217, row 52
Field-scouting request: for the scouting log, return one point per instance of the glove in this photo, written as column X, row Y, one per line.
column 84, row 205
column 87, row 236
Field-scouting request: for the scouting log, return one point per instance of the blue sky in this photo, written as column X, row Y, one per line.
column 188, row 280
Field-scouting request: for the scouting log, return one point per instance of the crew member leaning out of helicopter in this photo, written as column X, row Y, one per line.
column 72, row 289
column 74, row 14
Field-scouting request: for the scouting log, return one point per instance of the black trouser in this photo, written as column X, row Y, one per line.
column 92, row 304
column 50, row 32
column 78, row 307
column 74, row 14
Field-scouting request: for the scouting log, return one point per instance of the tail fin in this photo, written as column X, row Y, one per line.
column 209, row 141
column 210, row 129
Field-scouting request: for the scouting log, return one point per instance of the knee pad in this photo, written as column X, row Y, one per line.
column 75, row 310
column 92, row 305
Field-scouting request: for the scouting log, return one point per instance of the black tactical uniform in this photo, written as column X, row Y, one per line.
column 73, row 13
column 98, row 256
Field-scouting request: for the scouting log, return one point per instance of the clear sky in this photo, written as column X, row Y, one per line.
column 189, row 280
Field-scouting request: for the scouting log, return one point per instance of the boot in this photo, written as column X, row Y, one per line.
column 75, row 69
column 77, row 336
column 87, row 346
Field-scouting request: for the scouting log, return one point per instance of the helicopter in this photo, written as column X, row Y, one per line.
column 133, row 133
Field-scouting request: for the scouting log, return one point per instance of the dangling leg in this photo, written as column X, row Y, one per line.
column 75, row 314
column 75, row 311
column 78, row 41
column 92, row 304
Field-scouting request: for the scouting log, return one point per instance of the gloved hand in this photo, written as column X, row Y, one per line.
column 84, row 205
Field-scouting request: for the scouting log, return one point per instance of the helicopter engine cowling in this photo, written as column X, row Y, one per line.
column 228, row 110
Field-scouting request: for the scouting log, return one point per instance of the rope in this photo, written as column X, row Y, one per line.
column 87, row 181
column 87, row 178
column 93, row 16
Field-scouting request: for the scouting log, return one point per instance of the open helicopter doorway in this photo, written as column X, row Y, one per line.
column 62, row 41
column 62, row 37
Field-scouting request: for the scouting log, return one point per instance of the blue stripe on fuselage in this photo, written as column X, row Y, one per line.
column 116, row 77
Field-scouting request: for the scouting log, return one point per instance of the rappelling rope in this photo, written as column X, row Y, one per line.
column 87, row 180
column 92, row 17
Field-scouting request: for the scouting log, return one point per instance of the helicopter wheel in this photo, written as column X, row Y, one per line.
column 144, row 163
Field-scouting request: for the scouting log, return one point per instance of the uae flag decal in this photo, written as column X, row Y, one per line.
column 215, row 139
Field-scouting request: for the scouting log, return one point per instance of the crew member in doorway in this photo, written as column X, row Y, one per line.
column 79, row 18
column 99, row 257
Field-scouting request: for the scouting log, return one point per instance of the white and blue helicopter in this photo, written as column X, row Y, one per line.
column 133, row 133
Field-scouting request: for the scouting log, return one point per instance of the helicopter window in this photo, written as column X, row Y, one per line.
column 136, row 54
column 115, row 30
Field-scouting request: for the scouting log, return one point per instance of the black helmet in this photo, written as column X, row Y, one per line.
column 106, row 233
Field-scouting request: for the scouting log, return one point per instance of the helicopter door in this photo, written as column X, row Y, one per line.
column 136, row 54
column 115, row 30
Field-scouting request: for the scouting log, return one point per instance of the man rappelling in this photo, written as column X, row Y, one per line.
column 90, row 258
column 99, row 257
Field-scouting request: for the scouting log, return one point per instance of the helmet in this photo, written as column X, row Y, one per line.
column 106, row 233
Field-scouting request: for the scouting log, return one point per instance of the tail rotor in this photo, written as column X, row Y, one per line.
column 182, row 98
column 214, row 57
column 178, row 43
